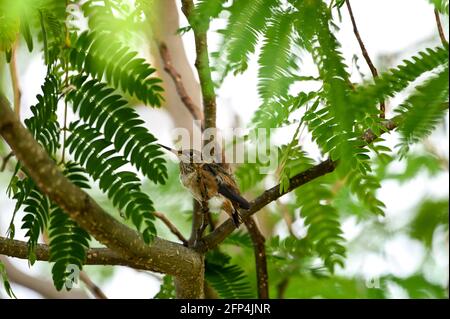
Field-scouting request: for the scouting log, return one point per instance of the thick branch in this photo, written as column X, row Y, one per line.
column 220, row 233
column 260, row 258
column 203, row 69
column 161, row 256
column 181, row 90
column 94, row 256
column 365, row 54
column 440, row 28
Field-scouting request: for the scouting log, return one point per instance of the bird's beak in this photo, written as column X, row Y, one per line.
column 169, row 149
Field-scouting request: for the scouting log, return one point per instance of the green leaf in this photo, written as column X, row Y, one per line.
column 123, row 188
column 100, row 55
column 423, row 110
column 229, row 281
column 167, row 290
column 5, row 281
column 111, row 115
column 430, row 215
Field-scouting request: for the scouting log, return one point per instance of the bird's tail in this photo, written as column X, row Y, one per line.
column 237, row 218
column 233, row 212
column 234, row 196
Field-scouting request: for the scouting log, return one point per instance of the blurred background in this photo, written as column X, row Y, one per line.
column 402, row 255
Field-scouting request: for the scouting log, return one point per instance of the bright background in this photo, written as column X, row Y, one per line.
column 391, row 30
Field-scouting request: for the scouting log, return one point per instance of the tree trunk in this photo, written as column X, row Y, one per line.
column 164, row 23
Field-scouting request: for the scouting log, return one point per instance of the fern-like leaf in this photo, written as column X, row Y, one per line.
column 120, row 124
column 324, row 229
column 68, row 246
column 44, row 123
column 421, row 112
column 248, row 20
column 5, row 281
column 100, row 55
column 37, row 208
column 392, row 82
column 276, row 59
column 102, row 163
column 230, row 281
column 205, row 11
column 68, row 241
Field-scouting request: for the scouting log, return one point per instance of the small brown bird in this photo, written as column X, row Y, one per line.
column 210, row 182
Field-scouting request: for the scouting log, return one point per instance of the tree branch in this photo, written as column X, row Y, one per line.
column 171, row 227
column 213, row 239
column 5, row 161
column 181, row 90
column 440, row 28
column 161, row 256
column 94, row 256
column 91, row 286
column 260, row 258
column 203, row 69
column 365, row 54
column 281, row 288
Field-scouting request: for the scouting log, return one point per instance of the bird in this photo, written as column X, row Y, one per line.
column 210, row 183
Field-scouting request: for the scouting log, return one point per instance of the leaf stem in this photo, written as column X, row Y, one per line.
column 440, row 28
column 365, row 54
column 15, row 79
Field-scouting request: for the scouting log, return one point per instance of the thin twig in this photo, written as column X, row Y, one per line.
column 260, row 257
column 66, row 84
column 440, row 28
column 64, row 129
column 430, row 147
column 15, row 79
column 181, row 90
column 287, row 217
column 91, row 286
column 171, row 226
column 281, row 288
column 211, row 222
column 365, row 54
column 6, row 160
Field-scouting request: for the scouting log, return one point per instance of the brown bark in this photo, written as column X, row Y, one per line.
column 164, row 23
column 160, row 256
column 259, row 247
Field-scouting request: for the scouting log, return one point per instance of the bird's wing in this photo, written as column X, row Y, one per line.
column 231, row 194
column 227, row 186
